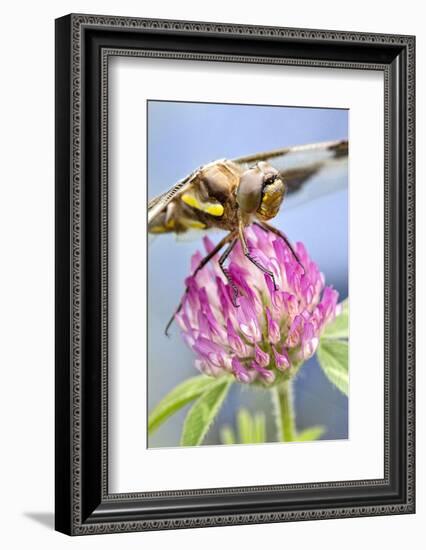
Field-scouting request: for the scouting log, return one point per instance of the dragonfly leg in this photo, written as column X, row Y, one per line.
column 253, row 260
column 203, row 262
column 222, row 260
column 266, row 227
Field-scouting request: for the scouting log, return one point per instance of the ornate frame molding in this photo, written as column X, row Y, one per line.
column 84, row 505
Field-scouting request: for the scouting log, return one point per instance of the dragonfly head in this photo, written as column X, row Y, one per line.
column 260, row 191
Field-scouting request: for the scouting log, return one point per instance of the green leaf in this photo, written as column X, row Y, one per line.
column 311, row 434
column 259, row 428
column 203, row 412
column 227, row 436
column 339, row 327
column 176, row 399
column 333, row 358
column 245, row 426
column 250, row 429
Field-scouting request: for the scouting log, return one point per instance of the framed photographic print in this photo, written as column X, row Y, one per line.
column 234, row 274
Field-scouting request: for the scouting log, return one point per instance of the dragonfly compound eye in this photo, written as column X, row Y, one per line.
column 249, row 190
column 272, row 197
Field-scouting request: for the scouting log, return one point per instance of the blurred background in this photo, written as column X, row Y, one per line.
column 183, row 136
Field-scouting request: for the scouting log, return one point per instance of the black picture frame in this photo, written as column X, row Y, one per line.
column 83, row 45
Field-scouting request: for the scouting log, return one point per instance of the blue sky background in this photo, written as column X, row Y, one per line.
column 183, row 136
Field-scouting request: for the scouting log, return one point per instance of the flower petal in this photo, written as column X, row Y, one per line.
column 208, row 244
column 282, row 360
column 294, row 334
column 261, row 357
column 267, row 376
column 234, row 340
column 247, row 318
column 240, row 372
column 248, row 340
column 273, row 328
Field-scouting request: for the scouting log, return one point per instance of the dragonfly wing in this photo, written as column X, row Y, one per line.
column 300, row 164
column 315, row 169
column 158, row 204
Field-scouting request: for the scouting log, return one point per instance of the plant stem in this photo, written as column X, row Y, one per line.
column 285, row 416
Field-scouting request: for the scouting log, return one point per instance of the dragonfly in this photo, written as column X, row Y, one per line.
column 231, row 194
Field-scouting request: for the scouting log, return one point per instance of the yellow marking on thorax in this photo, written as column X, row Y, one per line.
column 168, row 226
column 214, row 209
column 192, row 224
column 158, row 229
column 207, row 207
column 190, row 200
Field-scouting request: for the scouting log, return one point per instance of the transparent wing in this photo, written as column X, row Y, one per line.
column 158, row 203
column 308, row 170
column 326, row 162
